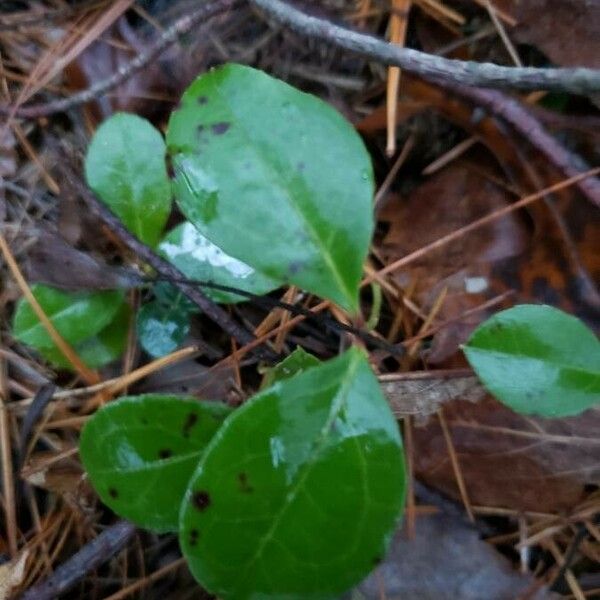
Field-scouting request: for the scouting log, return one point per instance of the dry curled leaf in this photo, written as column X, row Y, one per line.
column 55, row 262
column 421, row 393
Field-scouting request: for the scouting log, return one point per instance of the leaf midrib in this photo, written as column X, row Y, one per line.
column 339, row 401
column 319, row 243
column 500, row 354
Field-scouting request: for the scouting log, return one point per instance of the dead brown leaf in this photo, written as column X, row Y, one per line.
column 421, row 393
column 54, row 261
column 510, row 460
column 565, row 30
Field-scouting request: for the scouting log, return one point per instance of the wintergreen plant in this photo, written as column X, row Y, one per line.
column 295, row 494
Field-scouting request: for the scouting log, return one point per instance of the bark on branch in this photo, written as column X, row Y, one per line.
column 433, row 68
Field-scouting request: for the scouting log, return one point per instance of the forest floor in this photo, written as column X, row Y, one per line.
column 500, row 505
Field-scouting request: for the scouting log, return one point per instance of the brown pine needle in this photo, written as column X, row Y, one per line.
column 455, row 465
column 398, row 26
column 489, row 218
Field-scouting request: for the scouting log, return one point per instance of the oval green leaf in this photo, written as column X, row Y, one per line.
column 276, row 178
column 140, row 452
column 299, row 491
column 76, row 316
column 199, row 259
column 99, row 350
column 125, row 165
column 537, row 360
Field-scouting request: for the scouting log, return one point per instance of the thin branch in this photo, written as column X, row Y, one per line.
column 168, row 37
column 524, row 122
column 271, row 303
column 208, row 307
column 98, row 551
column 433, row 68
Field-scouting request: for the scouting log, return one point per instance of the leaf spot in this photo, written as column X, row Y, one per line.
column 245, row 487
column 165, row 453
column 113, row 493
column 220, row 128
column 202, row 99
column 295, row 267
column 201, row 500
column 193, row 539
column 190, row 421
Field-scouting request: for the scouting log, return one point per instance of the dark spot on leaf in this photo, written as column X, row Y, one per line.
column 165, row 453
column 301, row 166
column 113, row 493
column 144, row 421
column 201, row 500
column 193, row 539
column 202, row 99
column 220, row 128
column 190, row 421
column 245, row 487
column 295, row 267
column 377, row 560
column 200, row 129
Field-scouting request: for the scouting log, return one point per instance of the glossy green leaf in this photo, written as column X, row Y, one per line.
column 103, row 348
column 298, row 493
column 537, row 360
column 125, row 165
column 199, row 259
column 76, row 316
column 297, row 362
column 276, row 178
column 140, row 452
column 161, row 328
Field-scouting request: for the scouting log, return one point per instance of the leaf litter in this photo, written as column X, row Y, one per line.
column 538, row 477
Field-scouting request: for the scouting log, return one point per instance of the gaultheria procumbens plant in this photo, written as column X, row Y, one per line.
column 295, row 494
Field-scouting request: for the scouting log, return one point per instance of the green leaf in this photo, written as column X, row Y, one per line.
column 103, row 348
column 161, row 328
column 299, row 360
column 199, row 259
column 125, row 166
column 140, row 452
column 298, row 493
column 537, row 360
column 76, row 316
column 276, row 178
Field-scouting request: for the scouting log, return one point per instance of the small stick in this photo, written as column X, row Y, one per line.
column 433, row 68
column 99, row 550
column 523, row 122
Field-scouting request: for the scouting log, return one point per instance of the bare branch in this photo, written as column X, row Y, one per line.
column 433, row 68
